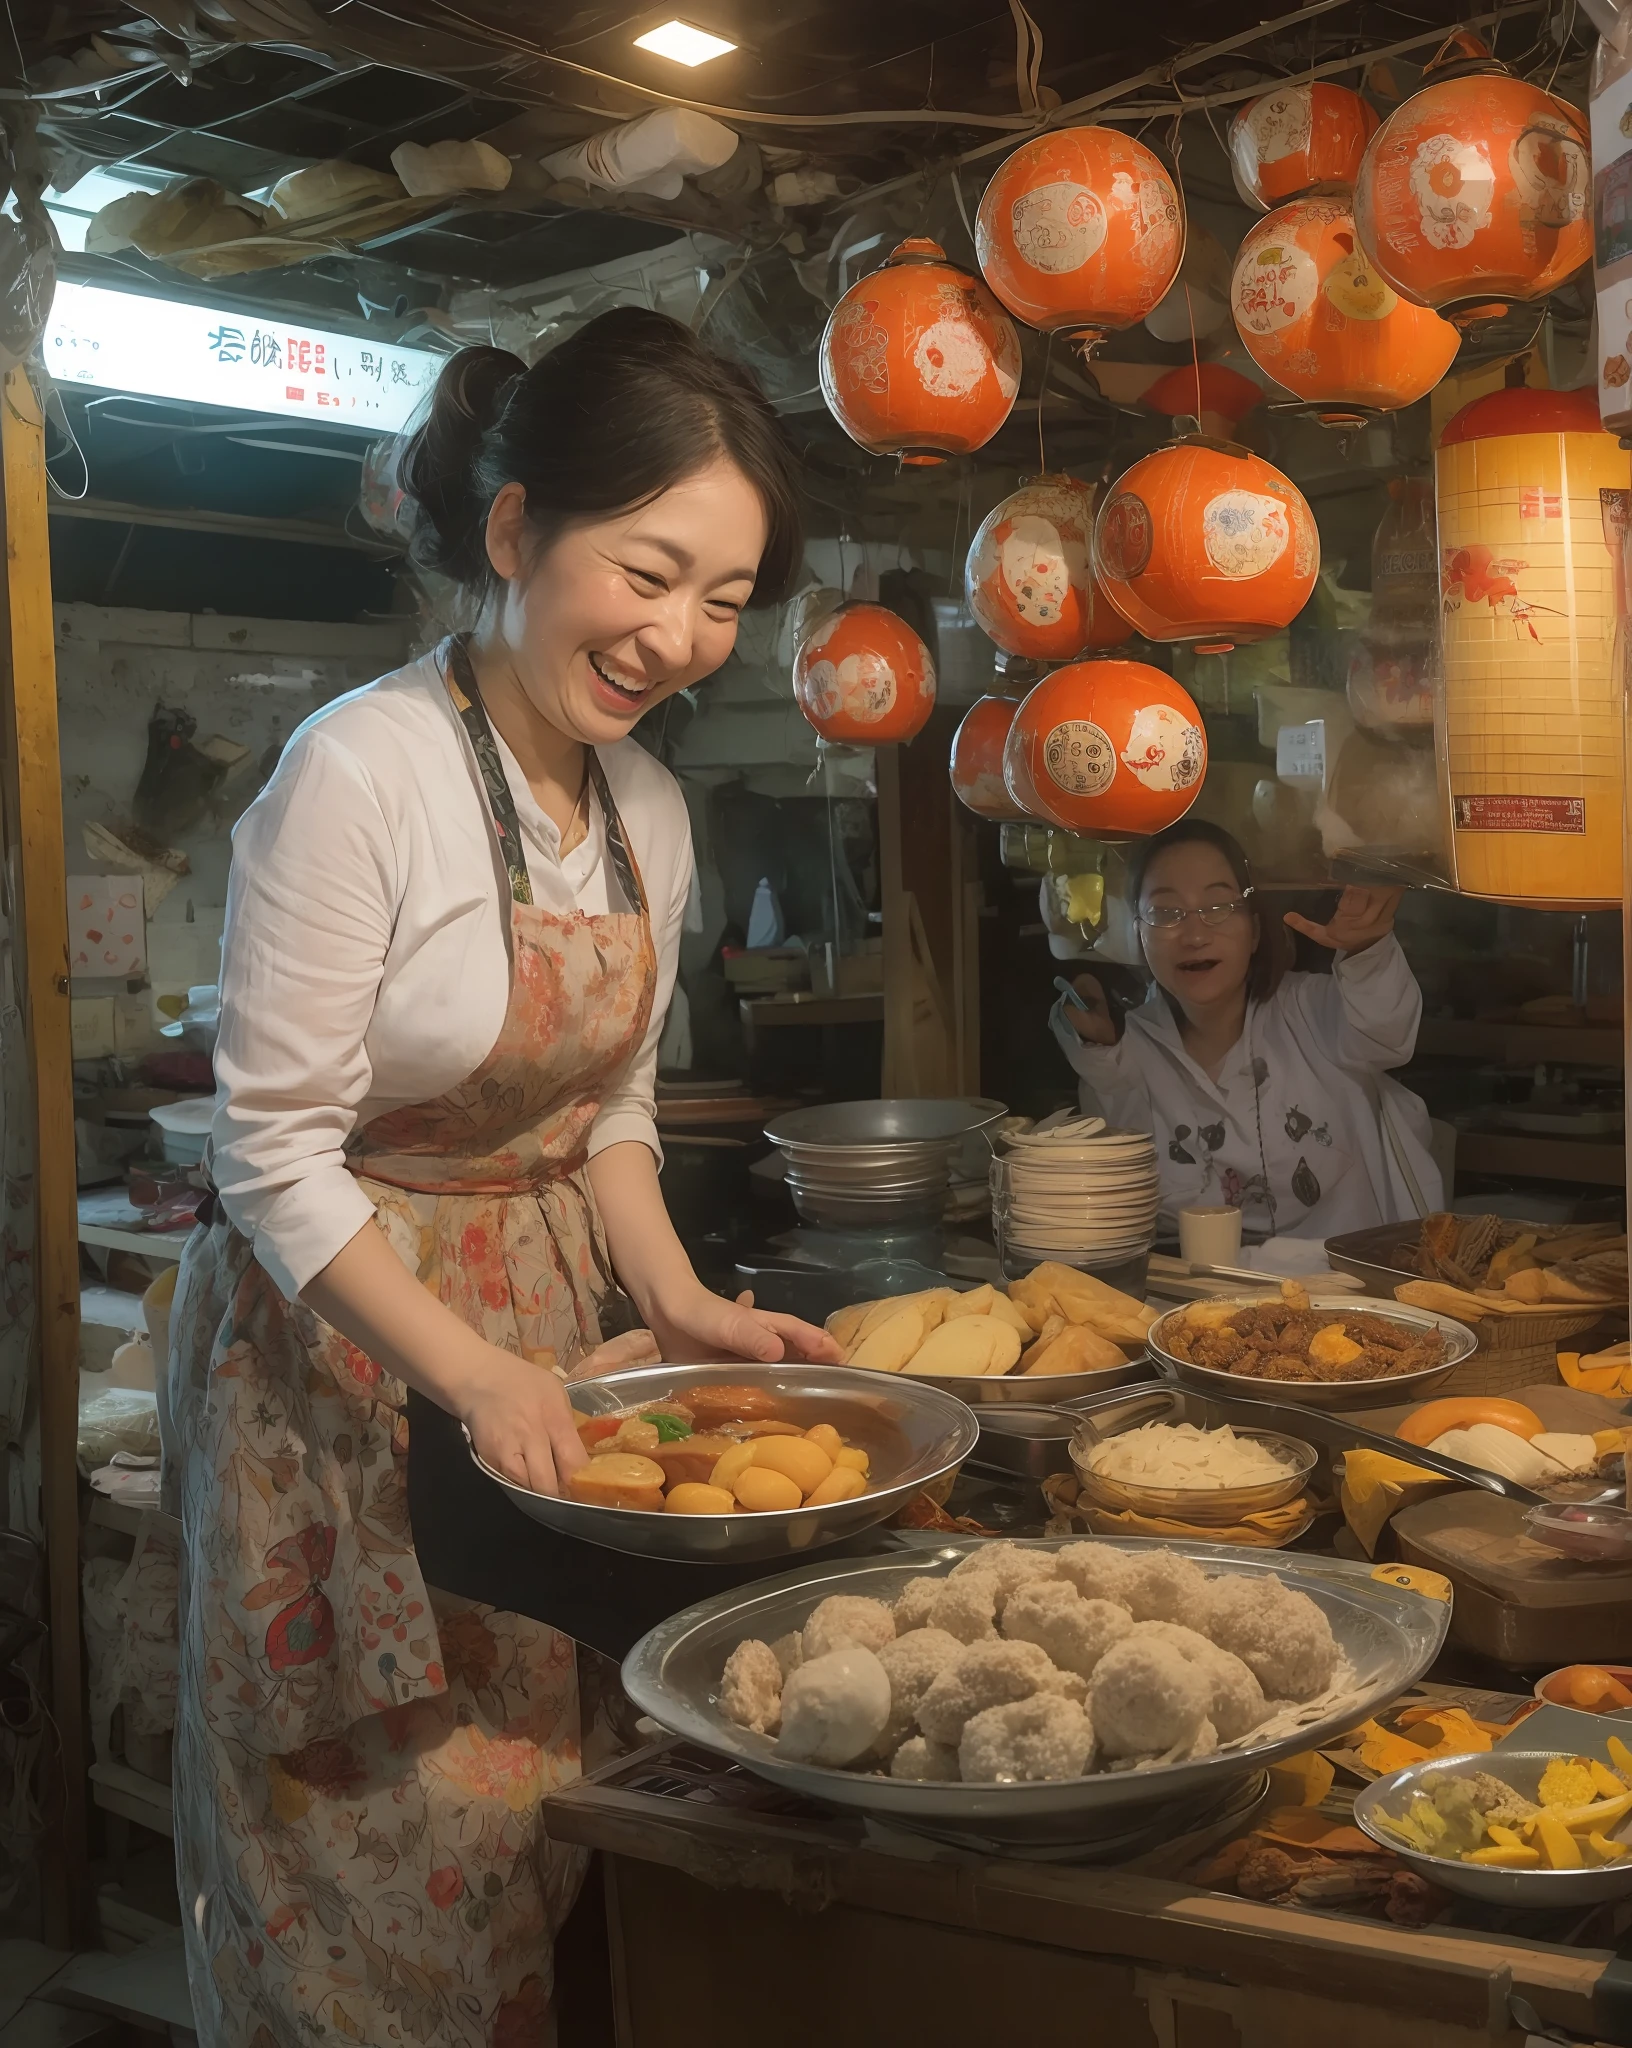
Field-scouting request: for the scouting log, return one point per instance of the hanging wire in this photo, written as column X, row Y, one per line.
column 1042, row 394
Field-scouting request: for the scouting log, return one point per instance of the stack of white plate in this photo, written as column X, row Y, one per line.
column 1070, row 1189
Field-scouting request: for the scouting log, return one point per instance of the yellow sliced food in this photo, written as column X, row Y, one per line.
column 761, row 1491
column 892, row 1305
column 1602, row 1813
column 844, row 1324
column 827, row 1436
column 1620, row 1756
column 1605, row 1779
column 844, row 1482
column 730, row 1463
column 1567, row 1781
column 978, row 1301
column 1506, row 1856
column 693, row 1498
column 891, row 1343
column 1003, row 1310
column 1558, row 1845
column 1605, row 1850
column 855, row 1457
column 968, row 1348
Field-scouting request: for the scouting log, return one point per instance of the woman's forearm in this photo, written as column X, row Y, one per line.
column 647, row 1256
column 369, row 1295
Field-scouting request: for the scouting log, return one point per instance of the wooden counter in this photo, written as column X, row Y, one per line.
column 793, row 1929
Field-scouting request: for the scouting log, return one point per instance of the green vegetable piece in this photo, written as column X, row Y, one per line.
column 671, row 1429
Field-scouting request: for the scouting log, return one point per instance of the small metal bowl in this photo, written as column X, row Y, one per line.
column 1202, row 1506
column 1340, row 1394
column 913, row 1433
column 1537, row 1889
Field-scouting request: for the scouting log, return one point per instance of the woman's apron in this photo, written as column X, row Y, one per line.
column 360, row 1758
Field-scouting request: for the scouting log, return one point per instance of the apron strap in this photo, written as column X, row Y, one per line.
column 460, row 676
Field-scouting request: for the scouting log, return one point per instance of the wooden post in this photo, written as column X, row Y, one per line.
column 34, row 859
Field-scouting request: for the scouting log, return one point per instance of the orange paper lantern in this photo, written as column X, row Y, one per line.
column 918, row 359
column 1474, row 195
column 1081, row 230
column 1298, row 139
column 1313, row 312
column 1028, row 581
column 977, row 759
column 1109, row 748
column 862, row 676
column 1533, row 503
column 1208, row 544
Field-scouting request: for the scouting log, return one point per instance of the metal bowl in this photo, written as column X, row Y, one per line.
column 1212, row 1506
column 1036, row 1389
column 891, row 1121
column 914, row 1433
column 1522, row 1769
column 1344, row 1394
column 1389, row 1636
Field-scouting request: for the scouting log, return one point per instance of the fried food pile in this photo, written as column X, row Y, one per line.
column 1023, row 1665
column 1290, row 1340
column 1055, row 1320
column 1528, row 1262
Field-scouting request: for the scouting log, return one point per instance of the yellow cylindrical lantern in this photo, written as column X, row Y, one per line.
column 1532, row 498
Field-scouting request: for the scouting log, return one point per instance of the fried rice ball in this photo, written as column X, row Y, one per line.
column 789, row 1652
column 1044, row 1737
column 751, row 1687
column 834, row 1707
column 1162, row 1585
column 1074, row 1633
column 914, row 1601
column 1148, row 1701
column 1097, row 1570
column 923, row 1761
column 1011, row 1565
column 988, row 1675
column 845, row 1618
column 1281, row 1636
column 1238, row 1703
column 912, row 1663
column 968, row 1609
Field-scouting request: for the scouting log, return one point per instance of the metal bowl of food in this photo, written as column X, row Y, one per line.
column 1520, row 1770
column 912, row 1433
column 1387, row 1638
column 1206, row 1502
column 1384, row 1391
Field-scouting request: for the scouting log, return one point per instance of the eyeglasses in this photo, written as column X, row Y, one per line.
column 1168, row 917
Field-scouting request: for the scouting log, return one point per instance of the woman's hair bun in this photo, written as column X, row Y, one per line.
column 622, row 410
column 440, row 469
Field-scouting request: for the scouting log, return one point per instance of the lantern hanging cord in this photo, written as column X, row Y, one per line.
column 1042, row 394
column 1028, row 59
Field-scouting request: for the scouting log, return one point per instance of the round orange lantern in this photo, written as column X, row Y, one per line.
column 1027, row 579
column 918, row 359
column 1081, row 230
column 1313, row 312
column 1109, row 748
column 862, row 676
column 1208, row 544
column 1297, row 139
column 977, row 759
column 1474, row 194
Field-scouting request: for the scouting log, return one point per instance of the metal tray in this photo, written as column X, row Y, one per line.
column 1344, row 1394
column 914, row 1433
column 1390, row 1637
column 1378, row 1255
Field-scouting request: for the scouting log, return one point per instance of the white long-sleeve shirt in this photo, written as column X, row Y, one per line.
column 1291, row 1132
column 366, row 961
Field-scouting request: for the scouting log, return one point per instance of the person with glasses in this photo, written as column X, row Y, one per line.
column 1267, row 1091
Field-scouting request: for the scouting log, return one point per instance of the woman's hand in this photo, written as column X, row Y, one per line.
column 521, row 1422
column 700, row 1326
column 617, row 1354
column 1362, row 917
column 1093, row 1021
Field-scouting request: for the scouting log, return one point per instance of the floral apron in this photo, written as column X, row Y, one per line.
column 360, row 1758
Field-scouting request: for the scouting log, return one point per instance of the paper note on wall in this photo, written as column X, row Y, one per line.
column 106, row 923
column 183, row 956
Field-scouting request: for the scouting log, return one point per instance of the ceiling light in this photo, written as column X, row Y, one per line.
column 682, row 43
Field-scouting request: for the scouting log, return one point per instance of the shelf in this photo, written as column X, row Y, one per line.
column 1521, row 1045
column 106, row 1218
column 761, row 1012
column 1601, row 1164
column 118, row 1789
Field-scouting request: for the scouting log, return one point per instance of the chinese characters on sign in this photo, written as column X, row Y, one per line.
column 167, row 349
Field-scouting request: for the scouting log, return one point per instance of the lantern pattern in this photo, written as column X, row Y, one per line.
column 1207, row 544
column 1028, row 581
column 1109, row 748
column 1474, row 194
column 918, row 359
column 1080, row 230
column 1298, row 139
column 1314, row 313
column 863, row 677
column 1532, row 501
column 977, row 759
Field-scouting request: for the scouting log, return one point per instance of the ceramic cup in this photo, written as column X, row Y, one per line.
column 1210, row 1237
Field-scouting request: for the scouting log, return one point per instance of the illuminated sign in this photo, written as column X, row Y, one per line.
column 251, row 362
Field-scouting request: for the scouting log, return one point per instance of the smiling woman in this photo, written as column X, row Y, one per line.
column 452, row 930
